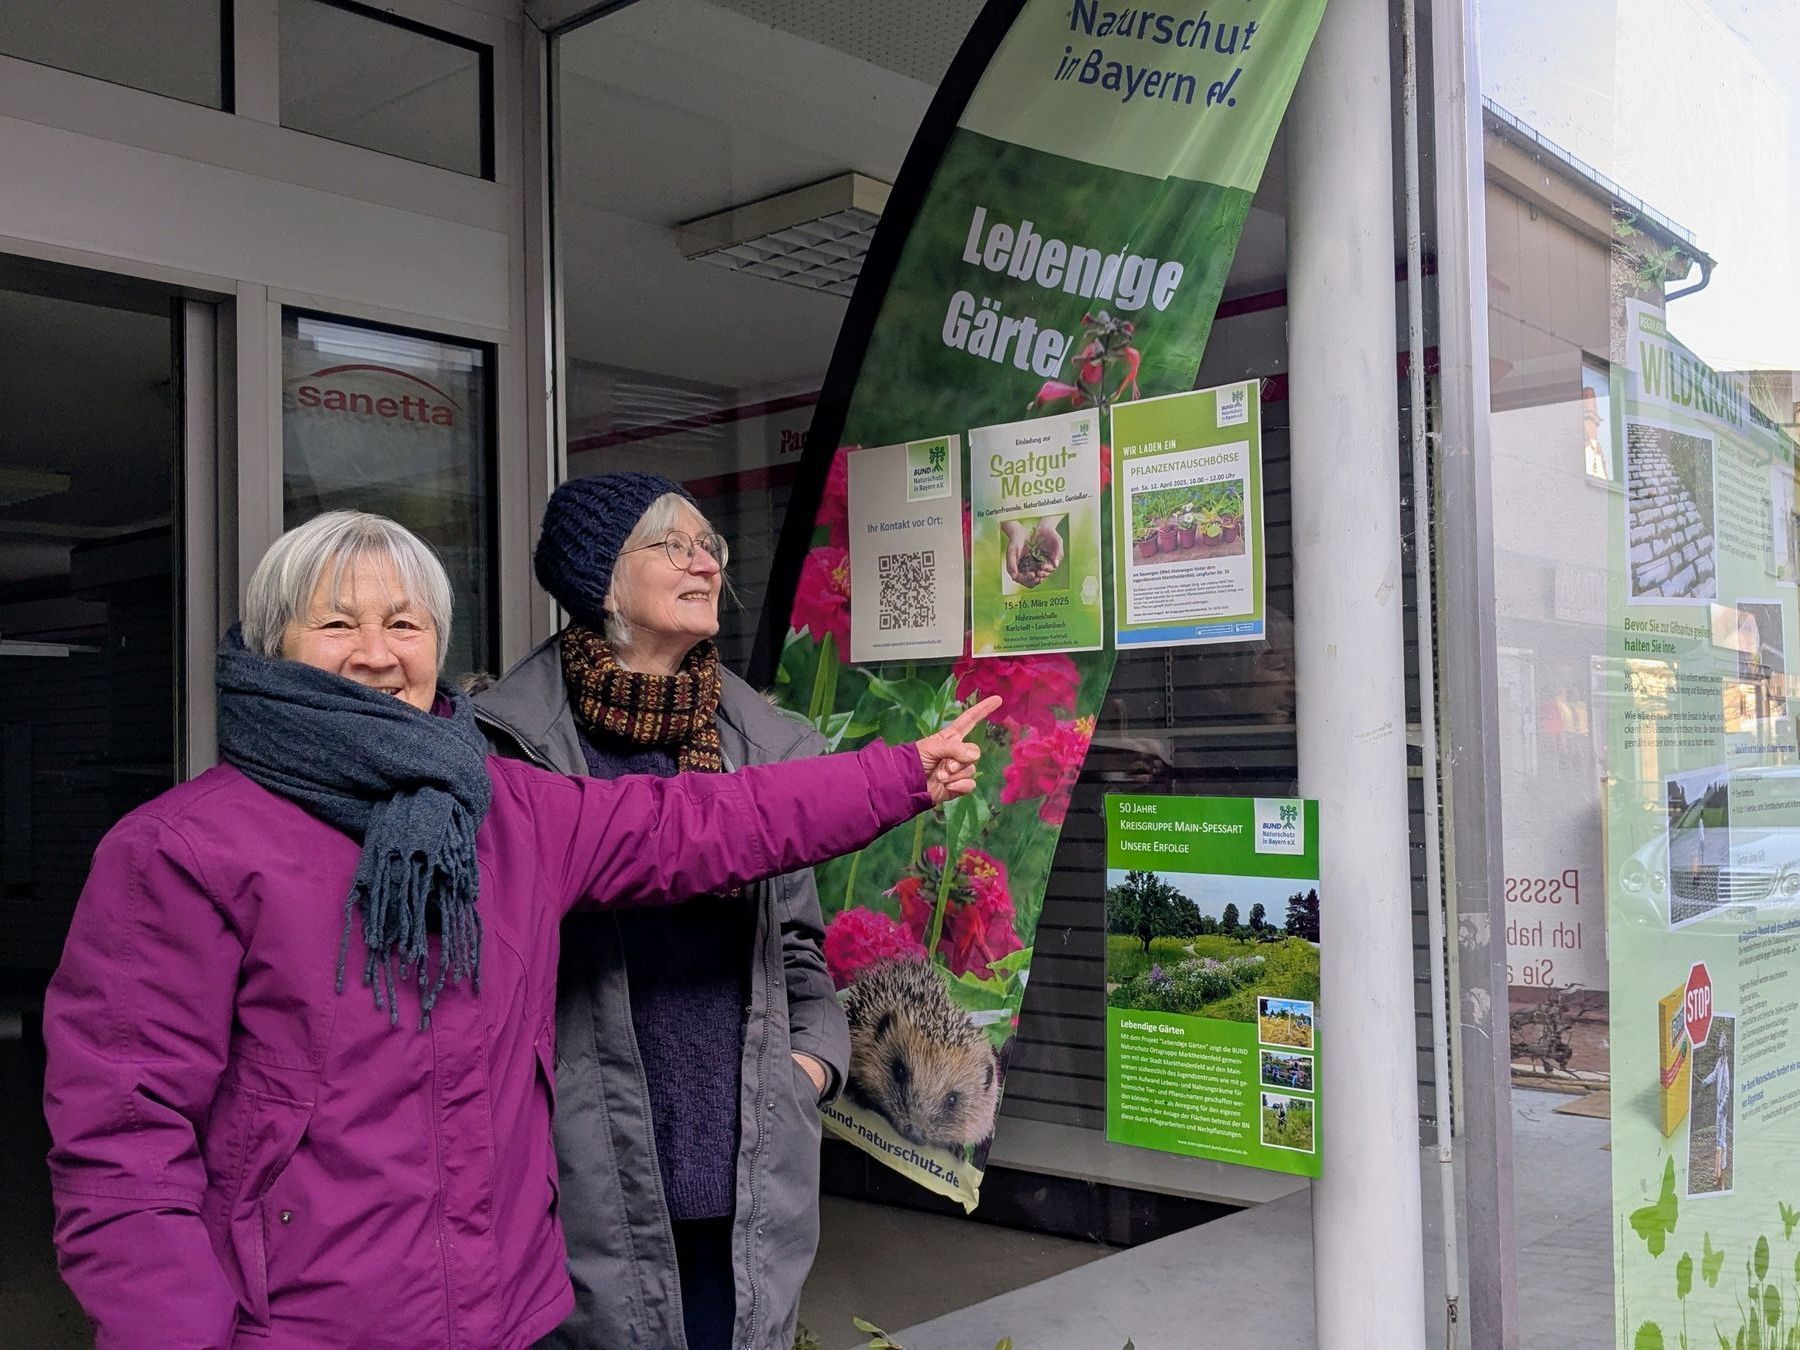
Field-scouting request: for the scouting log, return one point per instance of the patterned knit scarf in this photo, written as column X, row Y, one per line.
column 677, row 712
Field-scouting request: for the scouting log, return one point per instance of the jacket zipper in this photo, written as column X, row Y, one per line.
column 530, row 751
column 753, row 1239
column 762, row 1133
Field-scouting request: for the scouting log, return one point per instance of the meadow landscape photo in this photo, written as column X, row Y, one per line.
column 1209, row 946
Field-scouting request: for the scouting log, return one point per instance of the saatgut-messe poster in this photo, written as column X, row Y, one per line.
column 1065, row 255
column 1034, row 537
column 1212, row 978
column 1703, row 857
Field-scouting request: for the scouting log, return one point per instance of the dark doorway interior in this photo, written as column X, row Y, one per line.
column 89, row 571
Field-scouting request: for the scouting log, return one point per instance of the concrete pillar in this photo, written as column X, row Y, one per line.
column 1349, row 659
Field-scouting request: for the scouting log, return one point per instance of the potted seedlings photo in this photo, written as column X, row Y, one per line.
column 1231, row 515
column 1187, row 527
column 1168, row 535
column 1145, row 543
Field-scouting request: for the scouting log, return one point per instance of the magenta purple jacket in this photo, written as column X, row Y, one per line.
column 244, row 1157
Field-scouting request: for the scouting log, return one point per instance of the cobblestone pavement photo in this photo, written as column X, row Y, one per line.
column 1672, row 549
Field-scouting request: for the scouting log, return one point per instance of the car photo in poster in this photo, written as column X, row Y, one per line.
column 1698, row 851
column 1212, row 978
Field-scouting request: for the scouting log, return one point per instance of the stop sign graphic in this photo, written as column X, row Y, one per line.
column 1696, row 1006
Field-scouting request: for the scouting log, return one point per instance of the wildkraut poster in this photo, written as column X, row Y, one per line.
column 1064, row 253
column 1702, row 854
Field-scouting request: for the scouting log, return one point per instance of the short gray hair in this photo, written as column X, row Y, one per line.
column 281, row 589
column 652, row 528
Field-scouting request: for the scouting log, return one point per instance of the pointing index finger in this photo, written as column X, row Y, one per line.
column 970, row 718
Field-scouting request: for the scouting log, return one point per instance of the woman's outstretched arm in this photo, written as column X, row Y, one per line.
column 646, row 841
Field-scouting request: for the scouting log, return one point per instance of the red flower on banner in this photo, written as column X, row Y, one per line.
column 822, row 600
column 1034, row 687
column 979, row 920
column 857, row 938
column 1105, row 467
column 834, row 506
column 1045, row 763
column 916, row 904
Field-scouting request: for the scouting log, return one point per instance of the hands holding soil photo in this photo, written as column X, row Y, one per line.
column 1034, row 549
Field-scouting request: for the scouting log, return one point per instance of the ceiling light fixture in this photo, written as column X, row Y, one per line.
column 815, row 236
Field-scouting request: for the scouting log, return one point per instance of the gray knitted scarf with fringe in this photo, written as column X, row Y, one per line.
column 411, row 786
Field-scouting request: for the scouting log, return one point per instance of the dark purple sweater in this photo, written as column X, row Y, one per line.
column 687, row 966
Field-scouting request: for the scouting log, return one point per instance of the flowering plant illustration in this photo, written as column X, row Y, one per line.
column 902, row 899
column 1105, row 351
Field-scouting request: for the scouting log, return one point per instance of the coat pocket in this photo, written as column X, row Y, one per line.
column 545, row 1047
column 273, row 1130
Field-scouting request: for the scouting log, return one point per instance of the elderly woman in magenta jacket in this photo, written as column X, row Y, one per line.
column 250, row 1149
column 695, row 1041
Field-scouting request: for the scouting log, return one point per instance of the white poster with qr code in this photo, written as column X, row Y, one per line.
column 906, row 551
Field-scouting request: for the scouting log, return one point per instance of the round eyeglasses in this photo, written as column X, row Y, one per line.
column 680, row 547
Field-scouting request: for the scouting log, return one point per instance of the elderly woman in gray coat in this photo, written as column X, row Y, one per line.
column 694, row 1043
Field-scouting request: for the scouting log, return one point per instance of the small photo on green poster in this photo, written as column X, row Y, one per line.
column 1212, row 978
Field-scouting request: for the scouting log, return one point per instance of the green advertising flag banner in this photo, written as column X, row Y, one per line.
column 1212, row 978
column 1703, row 856
column 1187, row 518
column 1059, row 251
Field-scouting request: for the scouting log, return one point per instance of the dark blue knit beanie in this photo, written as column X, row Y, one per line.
column 585, row 526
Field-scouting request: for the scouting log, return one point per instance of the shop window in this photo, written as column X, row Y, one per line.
column 178, row 48
column 1641, row 297
column 706, row 154
column 402, row 425
column 367, row 78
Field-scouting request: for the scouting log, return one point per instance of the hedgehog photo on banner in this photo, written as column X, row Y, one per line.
column 1053, row 247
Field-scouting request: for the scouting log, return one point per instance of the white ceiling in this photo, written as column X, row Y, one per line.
column 672, row 109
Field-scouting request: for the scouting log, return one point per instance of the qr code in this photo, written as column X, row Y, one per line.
column 908, row 590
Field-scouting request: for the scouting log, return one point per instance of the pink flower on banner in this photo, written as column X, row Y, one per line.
column 822, row 600
column 1033, row 687
column 834, row 506
column 1105, row 467
column 1046, row 763
column 979, row 919
column 857, row 938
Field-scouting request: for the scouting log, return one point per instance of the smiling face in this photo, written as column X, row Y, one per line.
column 671, row 610
column 361, row 624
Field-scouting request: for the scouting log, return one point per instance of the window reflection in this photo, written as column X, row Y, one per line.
column 1641, row 179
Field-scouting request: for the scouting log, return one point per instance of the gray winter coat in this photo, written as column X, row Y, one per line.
column 621, row 1247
